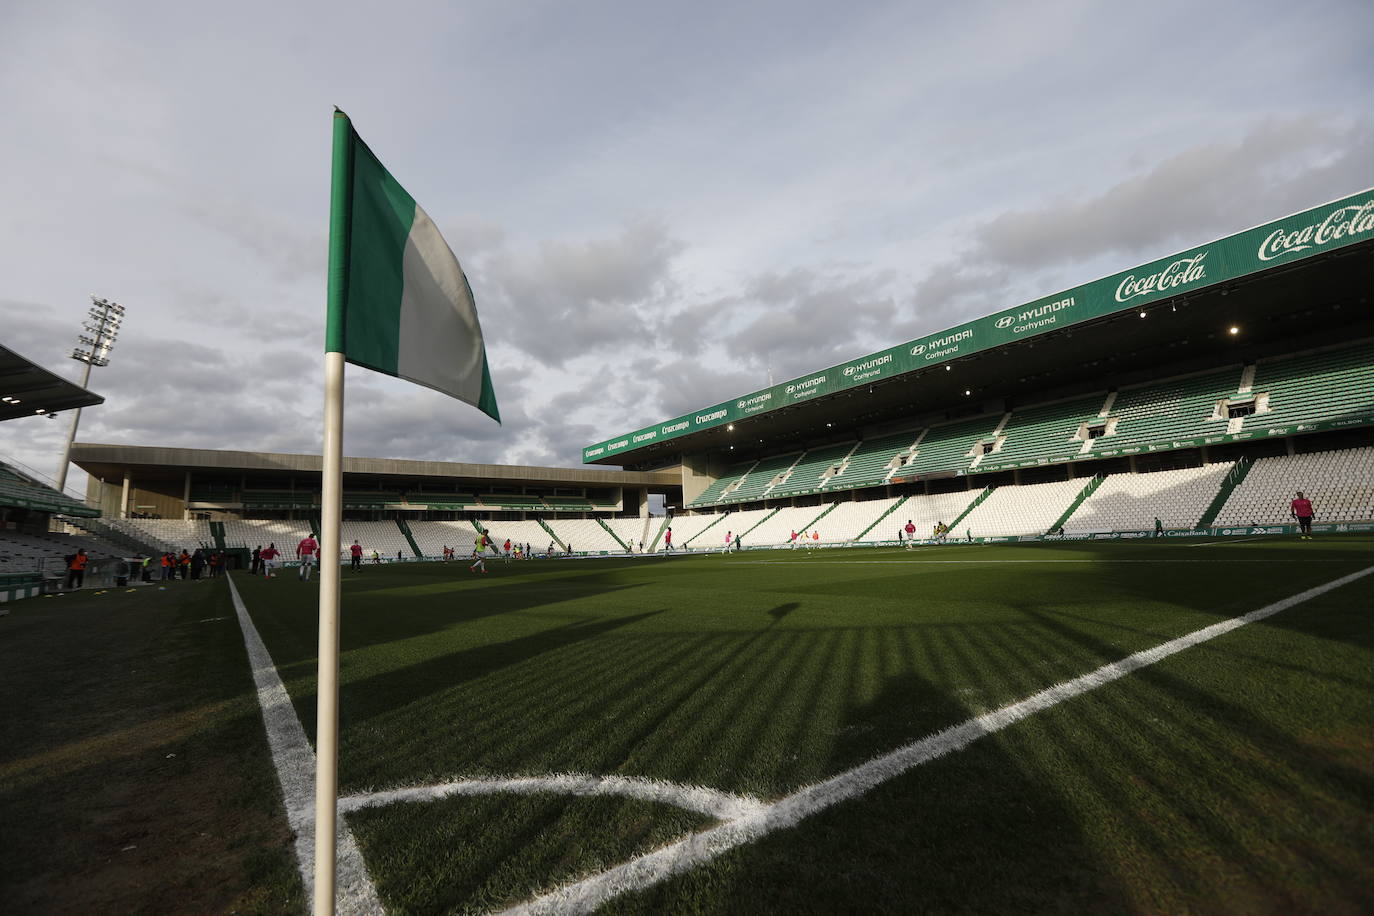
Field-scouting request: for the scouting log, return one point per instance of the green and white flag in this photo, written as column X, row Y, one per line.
column 399, row 302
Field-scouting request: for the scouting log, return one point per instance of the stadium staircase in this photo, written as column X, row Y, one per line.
column 1088, row 490
column 1234, row 478
column 409, row 536
column 977, row 501
column 895, row 506
column 612, row 533
column 662, row 527
column 556, row 539
column 217, row 532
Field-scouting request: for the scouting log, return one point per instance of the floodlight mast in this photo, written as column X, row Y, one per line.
column 102, row 328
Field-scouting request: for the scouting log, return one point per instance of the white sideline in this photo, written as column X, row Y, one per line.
column 650, row 869
column 294, row 759
column 1095, row 560
column 720, row 805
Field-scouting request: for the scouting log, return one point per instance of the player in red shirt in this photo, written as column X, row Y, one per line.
column 910, row 534
column 1302, row 511
column 305, row 552
column 269, row 560
column 355, row 554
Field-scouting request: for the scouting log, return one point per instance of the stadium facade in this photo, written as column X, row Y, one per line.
column 178, row 483
column 1255, row 345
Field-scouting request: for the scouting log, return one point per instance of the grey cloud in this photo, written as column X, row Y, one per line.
column 564, row 298
column 1203, row 192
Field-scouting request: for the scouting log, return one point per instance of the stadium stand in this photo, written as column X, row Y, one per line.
column 1039, row 435
column 873, row 461
column 30, row 552
column 1177, row 408
column 585, row 534
column 777, row 529
column 947, row 447
column 528, row 531
column 165, row 533
column 737, row 523
column 433, row 537
column 569, row 503
column 384, row 537
column 633, row 531
column 1312, row 387
column 513, row 501
column 1339, row 483
column 23, row 492
column 251, row 533
column 685, row 527
column 760, row 479
column 1132, row 502
column 732, row 476
column 813, row 470
column 1030, row 509
column 850, row 519
column 924, row 511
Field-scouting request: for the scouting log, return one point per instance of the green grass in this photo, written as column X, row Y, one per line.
column 1239, row 768
column 134, row 772
column 1236, row 776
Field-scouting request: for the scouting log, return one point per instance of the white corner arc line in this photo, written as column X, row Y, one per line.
column 720, row 805
column 294, row 760
column 647, row 870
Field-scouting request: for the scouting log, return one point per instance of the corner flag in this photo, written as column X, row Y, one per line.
column 400, row 304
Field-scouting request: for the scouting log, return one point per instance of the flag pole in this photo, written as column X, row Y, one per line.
column 331, row 512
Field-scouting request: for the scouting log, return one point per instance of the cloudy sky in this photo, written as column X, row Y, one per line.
column 657, row 204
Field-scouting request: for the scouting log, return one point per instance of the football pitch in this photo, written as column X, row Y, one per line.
column 1050, row 727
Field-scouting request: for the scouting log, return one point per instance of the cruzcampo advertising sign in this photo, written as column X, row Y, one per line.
column 1321, row 229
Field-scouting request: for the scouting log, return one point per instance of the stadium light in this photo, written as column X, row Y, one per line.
column 730, row 428
column 949, row 368
column 1142, row 313
column 102, row 329
column 1234, row 329
column 967, row 392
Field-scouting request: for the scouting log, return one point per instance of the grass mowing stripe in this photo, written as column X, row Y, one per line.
column 295, row 762
column 700, row 799
column 648, row 870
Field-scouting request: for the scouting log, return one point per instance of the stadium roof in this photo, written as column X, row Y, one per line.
column 108, row 462
column 26, row 389
column 1300, row 280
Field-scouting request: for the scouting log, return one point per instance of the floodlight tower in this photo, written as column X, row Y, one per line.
column 102, row 327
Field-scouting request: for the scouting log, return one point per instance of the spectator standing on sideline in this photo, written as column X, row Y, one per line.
column 76, row 568
column 1302, row 511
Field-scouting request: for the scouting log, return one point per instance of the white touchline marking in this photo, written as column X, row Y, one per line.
column 650, row 869
column 720, row 805
column 1110, row 561
column 295, row 762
